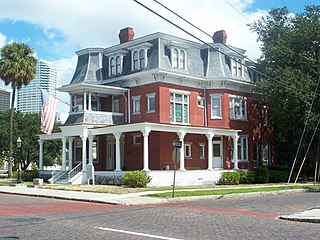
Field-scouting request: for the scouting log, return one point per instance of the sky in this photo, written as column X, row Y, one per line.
column 56, row 29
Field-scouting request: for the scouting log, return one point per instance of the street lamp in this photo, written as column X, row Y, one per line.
column 19, row 146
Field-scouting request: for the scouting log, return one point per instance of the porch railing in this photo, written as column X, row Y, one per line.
column 56, row 175
column 75, row 171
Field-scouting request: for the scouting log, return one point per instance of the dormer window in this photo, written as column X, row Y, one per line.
column 116, row 62
column 178, row 55
column 139, row 56
column 237, row 67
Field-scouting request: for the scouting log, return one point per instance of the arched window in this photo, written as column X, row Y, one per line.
column 118, row 65
column 112, row 66
column 182, row 59
column 141, row 58
column 175, row 58
column 135, row 61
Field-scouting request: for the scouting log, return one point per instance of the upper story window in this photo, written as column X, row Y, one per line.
column 237, row 67
column 118, row 65
column 136, row 104
column 115, row 104
column 178, row 55
column 215, row 106
column 265, row 116
column 135, row 61
column 139, row 56
column 113, row 66
column 151, row 102
column 116, row 61
column 238, row 108
column 179, row 107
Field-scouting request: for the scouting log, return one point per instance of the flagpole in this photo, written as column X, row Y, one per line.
column 57, row 98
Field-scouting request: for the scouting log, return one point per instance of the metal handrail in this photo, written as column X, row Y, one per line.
column 74, row 171
column 56, row 175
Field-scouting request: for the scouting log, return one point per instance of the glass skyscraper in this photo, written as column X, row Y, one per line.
column 4, row 99
column 29, row 97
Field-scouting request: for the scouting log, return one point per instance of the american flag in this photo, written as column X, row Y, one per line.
column 48, row 112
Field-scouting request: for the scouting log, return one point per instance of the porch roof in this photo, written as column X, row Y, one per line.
column 97, row 88
column 143, row 126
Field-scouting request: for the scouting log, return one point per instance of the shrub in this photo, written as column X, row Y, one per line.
column 229, row 178
column 136, row 179
column 261, row 174
column 278, row 176
column 29, row 175
column 247, row 176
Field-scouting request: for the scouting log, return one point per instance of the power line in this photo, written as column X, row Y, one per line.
column 253, row 69
column 238, row 11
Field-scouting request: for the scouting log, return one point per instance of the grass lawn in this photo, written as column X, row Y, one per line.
column 230, row 191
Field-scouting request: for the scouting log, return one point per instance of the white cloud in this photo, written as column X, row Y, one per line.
column 3, row 39
column 97, row 23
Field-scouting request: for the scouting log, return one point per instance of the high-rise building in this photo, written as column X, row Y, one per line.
column 4, row 99
column 29, row 97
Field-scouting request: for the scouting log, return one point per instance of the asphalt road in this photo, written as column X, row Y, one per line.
column 248, row 218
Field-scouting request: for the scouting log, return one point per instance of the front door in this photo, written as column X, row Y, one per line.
column 217, row 159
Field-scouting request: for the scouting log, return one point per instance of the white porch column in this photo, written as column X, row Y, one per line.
column 210, row 154
column 145, row 133
column 71, row 104
column 90, row 149
column 235, row 151
column 41, row 154
column 70, row 139
column 89, row 107
column 64, row 149
column 84, row 152
column 117, row 136
column 84, row 101
column 181, row 136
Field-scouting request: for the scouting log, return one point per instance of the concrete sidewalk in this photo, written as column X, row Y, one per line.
column 310, row 215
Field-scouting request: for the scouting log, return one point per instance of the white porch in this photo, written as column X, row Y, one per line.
column 87, row 133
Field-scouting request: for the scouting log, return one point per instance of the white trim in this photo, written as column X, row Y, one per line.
column 187, row 144
column 134, row 99
column 172, row 90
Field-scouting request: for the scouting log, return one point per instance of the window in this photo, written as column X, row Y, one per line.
column 118, row 65
column 266, row 154
column 182, row 59
column 95, row 150
column 112, row 66
column 237, row 67
column 78, row 150
column 115, row 104
column 136, row 139
column 136, row 105
column 141, row 58
column 202, row 154
column 179, row 107
column 242, row 149
column 175, row 58
column 265, row 117
column 200, row 101
column 238, row 108
column 139, row 55
column 187, row 150
column 135, row 61
column 151, row 102
column 215, row 106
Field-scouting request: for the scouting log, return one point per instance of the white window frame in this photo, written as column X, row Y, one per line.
column 149, row 97
column 243, row 148
column 78, row 146
column 137, row 61
column 202, row 150
column 200, row 102
column 242, row 104
column 184, row 103
column 237, row 67
column 188, row 154
column 135, row 101
column 112, row 66
column 266, row 154
column 216, row 96
column 178, row 55
column 115, row 102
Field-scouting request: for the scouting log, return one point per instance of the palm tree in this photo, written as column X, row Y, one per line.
column 18, row 68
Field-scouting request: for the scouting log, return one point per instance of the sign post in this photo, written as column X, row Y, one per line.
column 175, row 156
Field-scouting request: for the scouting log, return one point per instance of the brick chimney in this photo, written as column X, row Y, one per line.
column 220, row 37
column 126, row 35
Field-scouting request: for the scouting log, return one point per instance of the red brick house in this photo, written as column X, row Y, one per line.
column 129, row 101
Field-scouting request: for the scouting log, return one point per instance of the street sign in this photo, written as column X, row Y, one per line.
column 176, row 144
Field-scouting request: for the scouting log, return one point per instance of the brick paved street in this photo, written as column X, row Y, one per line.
column 247, row 218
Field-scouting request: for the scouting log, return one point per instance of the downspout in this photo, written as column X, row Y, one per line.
column 129, row 106
column 125, row 107
column 205, row 106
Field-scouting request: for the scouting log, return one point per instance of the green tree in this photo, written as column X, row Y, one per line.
column 27, row 127
column 18, row 68
column 290, row 56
